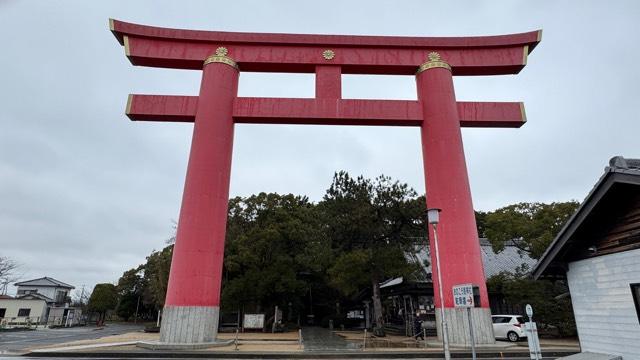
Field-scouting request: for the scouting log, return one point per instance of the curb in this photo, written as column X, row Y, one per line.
column 290, row 355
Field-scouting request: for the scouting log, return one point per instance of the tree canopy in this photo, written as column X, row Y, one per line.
column 130, row 289
column 549, row 299
column 103, row 298
column 271, row 241
column 530, row 226
column 372, row 225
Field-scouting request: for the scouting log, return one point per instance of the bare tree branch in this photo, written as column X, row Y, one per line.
column 8, row 268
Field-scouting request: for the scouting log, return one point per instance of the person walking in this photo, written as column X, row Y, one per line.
column 417, row 327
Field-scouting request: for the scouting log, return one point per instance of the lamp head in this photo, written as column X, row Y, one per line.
column 433, row 216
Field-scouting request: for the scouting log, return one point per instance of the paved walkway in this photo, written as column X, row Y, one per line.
column 16, row 341
column 320, row 339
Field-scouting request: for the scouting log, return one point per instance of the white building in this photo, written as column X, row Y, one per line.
column 598, row 251
column 23, row 310
column 39, row 301
column 57, row 291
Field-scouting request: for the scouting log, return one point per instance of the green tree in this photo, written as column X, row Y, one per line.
column 549, row 299
column 131, row 287
column 372, row 225
column 103, row 298
column 271, row 240
column 530, row 226
column 156, row 277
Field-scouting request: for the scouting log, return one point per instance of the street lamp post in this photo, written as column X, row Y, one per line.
column 433, row 216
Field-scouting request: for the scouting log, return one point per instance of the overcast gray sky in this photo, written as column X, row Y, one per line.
column 86, row 194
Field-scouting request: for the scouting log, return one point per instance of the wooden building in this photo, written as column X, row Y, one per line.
column 598, row 251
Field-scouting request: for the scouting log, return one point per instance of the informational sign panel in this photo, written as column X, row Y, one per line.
column 463, row 296
column 253, row 321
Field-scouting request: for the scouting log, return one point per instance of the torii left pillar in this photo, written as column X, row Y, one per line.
column 193, row 293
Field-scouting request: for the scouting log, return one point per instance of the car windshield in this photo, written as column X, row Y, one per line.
column 520, row 319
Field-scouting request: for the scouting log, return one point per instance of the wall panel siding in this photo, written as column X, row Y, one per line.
column 12, row 307
column 624, row 233
column 603, row 305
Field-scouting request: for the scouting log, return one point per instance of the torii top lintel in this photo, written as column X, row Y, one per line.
column 264, row 52
column 328, row 56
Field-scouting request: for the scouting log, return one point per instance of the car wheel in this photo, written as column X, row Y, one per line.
column 512, row 336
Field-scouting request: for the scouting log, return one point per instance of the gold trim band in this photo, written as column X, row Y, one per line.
column 434, row 62
column 127, row 52
column 127, row 110
column 523, row 113
column 221, row 59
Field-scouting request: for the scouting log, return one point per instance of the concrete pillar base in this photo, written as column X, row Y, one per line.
column 458, row 326
column 156, row 345
column 189, row 325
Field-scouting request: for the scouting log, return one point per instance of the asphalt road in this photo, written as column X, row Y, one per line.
column 12, row 342
column 240, row 358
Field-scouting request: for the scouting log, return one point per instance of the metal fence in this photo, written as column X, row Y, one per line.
column 19, row 322
column 35, row 321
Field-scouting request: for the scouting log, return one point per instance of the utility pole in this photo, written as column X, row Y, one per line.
column 135, row 319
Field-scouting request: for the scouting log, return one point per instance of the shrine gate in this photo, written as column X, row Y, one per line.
column 193, row 296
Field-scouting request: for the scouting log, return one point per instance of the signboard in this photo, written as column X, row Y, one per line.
column 463, row 296
column 253, row 321
column 529, row 310
column 532, row 336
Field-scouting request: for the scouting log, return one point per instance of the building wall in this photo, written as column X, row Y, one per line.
column 38, row 308
column 603, row 304
column 61, row 316
column 48, row 291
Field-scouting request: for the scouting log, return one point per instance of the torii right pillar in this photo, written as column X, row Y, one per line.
column 447, row 188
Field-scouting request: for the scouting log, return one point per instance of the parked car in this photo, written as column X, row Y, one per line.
column 510, row 327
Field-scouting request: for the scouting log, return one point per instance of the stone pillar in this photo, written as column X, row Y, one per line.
column 192, row 305
column 447, row 188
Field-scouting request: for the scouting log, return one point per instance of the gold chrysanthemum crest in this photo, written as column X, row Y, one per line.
column 222, row 51
column 434, row 56
column 328, row 54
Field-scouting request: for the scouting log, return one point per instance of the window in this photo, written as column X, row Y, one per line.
column 60, row 296
column 635, row 291
column 24, row 312
column 501, row 319
column 2, row 312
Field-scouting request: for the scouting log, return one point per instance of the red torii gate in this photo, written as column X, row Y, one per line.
column 193, row 296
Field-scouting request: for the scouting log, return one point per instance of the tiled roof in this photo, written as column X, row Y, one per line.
column 507, row 260
column 44, row 281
